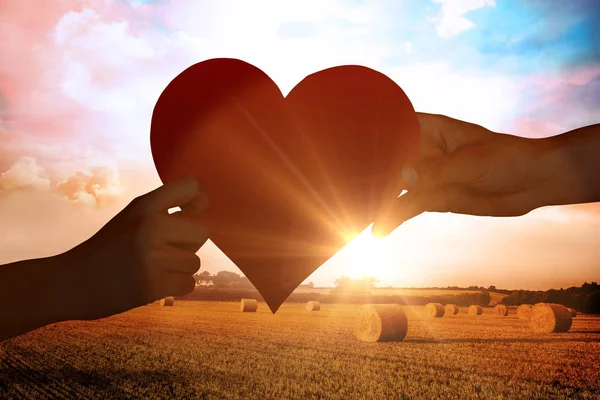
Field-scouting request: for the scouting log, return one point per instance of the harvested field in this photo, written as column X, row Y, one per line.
column 210, row 350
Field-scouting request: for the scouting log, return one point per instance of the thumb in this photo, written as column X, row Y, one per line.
column 417, row 202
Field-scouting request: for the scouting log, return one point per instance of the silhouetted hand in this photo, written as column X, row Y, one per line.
column 467, row 169
column 141, row 255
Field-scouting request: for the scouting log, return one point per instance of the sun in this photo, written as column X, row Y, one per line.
column 367, row 255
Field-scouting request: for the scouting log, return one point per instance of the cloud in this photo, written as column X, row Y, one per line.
column 26, row 173
column 96, row 187
column 98, row 58
column 558, row 101
column 452, row 20
column 44, row 123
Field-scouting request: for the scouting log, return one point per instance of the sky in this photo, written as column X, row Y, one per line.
column 79, row 80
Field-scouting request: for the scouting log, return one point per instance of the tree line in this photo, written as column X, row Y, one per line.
column 222, row 280
column 585, row 298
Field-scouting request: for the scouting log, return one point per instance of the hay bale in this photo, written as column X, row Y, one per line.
column 434, row 310
column 573, row 312
column 381, row 323
column 451, row 309
column 501, row 310
column 523, row 311
column 248, row 305
column 167, row 301
column 475, row 310
column 313, row 306
column 548, row 318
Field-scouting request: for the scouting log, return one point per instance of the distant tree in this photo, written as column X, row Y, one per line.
column 363, row 285
column 342, row 282
column 242, row 283
column 484, row 299
column 369, row 281
column 310, row 285
column 592, row 303
column 492, row 288
column 589, row 287
column 203, row 277
column 225, row 279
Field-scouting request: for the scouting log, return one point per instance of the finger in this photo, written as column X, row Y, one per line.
column 171, row 194
column 186, row 265
column 180, row 231
column 196, row 206
column 185, row 262
column 451, row 133
column 494, row 205
column 466, row 165
column 173, row 259
column 177, row 284
column 457, row 200
column 451, row 198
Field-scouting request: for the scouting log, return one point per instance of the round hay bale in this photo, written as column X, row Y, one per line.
column 548, row 318
column 248, row 305
column 434, row 310
column 168, row 301
column 451, row 309
column 573, row 312
column 501, row 310
column 523, row 311
column 313, row 306
column 381, row 323
column 475, row 310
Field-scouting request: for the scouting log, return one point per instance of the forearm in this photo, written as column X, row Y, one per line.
column 572, row 164
column 33, row 294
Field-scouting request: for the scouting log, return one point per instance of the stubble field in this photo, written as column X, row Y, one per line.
column 210, row 350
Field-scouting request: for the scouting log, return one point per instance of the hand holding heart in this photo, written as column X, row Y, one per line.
column 141, row 255
column 465, row 168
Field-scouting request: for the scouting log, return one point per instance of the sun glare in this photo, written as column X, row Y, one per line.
column 368, row 256
column 402, row 258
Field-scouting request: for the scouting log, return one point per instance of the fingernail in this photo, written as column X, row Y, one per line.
column 409, row 175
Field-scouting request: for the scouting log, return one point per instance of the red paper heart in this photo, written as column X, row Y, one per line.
column 291, row 180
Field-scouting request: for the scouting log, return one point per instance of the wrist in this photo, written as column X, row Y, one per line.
column 32, row 289
column 565, row 171
column 54, row 300
column 69, row 291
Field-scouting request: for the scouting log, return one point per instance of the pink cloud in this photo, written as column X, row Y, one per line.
column 24, row 174
column 533, row 127
column 96, row 187
column 560, row 101
column 67, row 72
column 36, row 108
